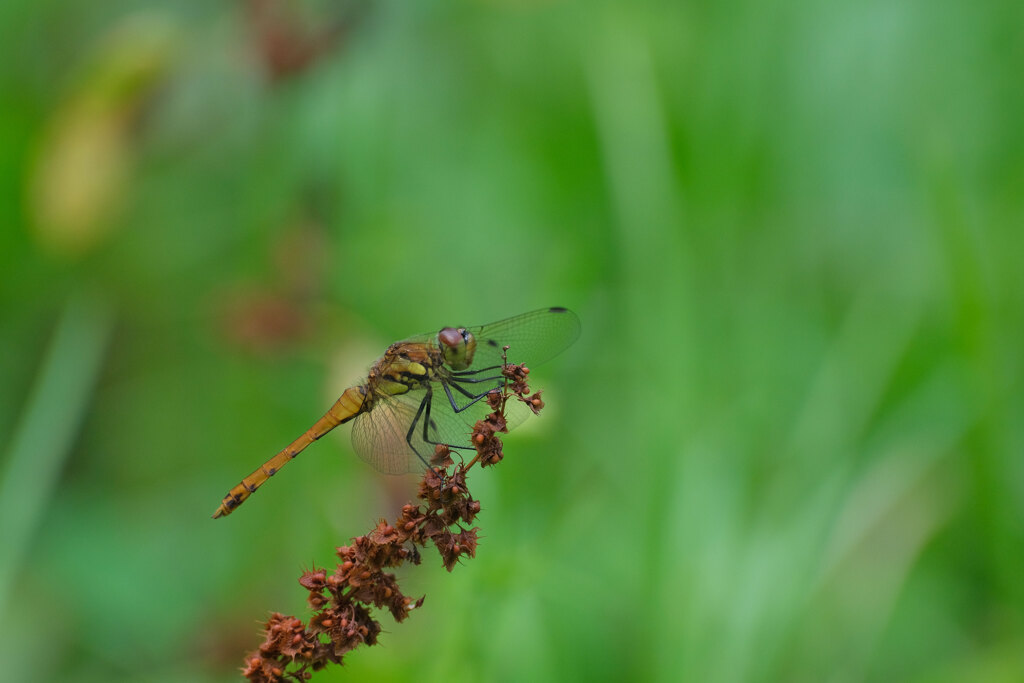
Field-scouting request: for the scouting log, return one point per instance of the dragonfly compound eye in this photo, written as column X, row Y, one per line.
column 457, row 347
column 450, row 337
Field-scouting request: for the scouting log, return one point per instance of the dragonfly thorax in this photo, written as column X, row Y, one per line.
column 457, row 347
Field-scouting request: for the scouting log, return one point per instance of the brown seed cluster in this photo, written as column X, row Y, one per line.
column 342, row 599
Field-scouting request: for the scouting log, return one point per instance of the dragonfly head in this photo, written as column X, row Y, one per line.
column 457, row 347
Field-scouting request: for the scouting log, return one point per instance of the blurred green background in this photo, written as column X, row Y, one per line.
column 787, row 447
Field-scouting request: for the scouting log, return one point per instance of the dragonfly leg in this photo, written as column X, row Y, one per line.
column 474, row 397
column 463, row 373
column 467, row 380
column 412, row 427
column 427, row 422
column 424, row 412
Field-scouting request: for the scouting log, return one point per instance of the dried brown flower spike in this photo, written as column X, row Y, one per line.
column 342, row 599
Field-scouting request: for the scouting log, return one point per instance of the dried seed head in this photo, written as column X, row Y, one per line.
column 442, row 456
column 343, row 599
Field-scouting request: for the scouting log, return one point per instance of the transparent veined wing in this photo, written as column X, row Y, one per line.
column 379, row 437
column 532, row 338
column 382, row 436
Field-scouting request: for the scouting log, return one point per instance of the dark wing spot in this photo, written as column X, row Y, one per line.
column 557, row 309
column 491, row 342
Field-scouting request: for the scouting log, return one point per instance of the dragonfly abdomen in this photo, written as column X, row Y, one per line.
column 351, row 403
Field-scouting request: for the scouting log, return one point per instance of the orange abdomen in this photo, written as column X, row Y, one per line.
column 350, row 404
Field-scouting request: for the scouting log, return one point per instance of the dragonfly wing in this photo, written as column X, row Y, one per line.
column 382, row 437
column 454, row 429
column 379, row 436
column 532, row 338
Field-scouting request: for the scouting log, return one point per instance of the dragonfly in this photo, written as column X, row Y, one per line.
column 427, row 390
